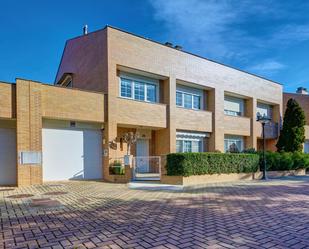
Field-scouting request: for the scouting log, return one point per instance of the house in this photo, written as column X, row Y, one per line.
column 302, row 97
column 111, row 82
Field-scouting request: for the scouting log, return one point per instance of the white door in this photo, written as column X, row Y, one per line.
column 71, row 154
column 142, row 154
column 8, row 156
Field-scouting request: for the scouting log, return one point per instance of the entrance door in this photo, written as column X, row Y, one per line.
column 142, row 154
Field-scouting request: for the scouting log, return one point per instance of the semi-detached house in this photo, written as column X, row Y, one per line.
column 110, row 82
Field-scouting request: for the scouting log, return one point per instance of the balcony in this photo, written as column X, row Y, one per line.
column 271, row 130
column 139, row 113
column 237, row 125
column 194, row 120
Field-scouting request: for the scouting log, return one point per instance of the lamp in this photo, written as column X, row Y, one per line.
column 263, row 120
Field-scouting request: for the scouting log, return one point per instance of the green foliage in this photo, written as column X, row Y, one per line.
column 187, row 164
column 285, row 161
column 292, row 135
column 249, row 151
column 116, row 168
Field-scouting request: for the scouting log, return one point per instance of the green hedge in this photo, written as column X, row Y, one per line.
column 187, row 164
column 285, row 160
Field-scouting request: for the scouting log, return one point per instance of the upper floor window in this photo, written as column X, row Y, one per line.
column 233, row 106
column 138, row 89
column 264, row 110
column 189, row 98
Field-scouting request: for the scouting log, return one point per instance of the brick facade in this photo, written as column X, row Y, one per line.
column 95, row 61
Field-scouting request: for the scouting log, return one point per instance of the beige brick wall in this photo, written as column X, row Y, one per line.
column 237, row 125
column 29, row 125
column 86, row 58
column 130, row 112
column 7, row 100
column 24, row 104
column 72, row 104
column 193, row 120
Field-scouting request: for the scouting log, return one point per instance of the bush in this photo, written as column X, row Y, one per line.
column 187, row 164
column 285, row 161
column 116, row 168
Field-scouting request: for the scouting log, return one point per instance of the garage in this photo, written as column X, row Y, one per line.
column 71, row 153
column 7, row 156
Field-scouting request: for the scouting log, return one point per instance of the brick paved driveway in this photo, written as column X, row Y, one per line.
column 102, row 215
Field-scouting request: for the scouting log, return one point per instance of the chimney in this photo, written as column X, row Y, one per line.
column 169, row 44
column 85, row 29
column 178, row 47
column 302, row 90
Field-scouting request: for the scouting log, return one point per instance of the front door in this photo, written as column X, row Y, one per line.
column 142, row 154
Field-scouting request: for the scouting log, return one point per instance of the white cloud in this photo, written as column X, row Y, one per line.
column 220, row 30
column 267, row 67
column 200, row 24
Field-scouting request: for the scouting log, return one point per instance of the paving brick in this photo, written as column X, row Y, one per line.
column 240, row 215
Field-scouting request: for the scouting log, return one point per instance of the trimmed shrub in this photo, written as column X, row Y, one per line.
column 188, row 164
column 284, row 161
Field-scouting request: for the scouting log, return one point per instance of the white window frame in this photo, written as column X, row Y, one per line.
column 192, row 100
column 192, row 137
column 265, row 106
column 142, row 80
column 234, row 139
column 241, row 104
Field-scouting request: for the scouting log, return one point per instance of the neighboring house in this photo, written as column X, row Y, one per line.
column 302, row 97
column 176, row 101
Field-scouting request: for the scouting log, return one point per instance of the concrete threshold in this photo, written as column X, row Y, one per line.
column 155, row 185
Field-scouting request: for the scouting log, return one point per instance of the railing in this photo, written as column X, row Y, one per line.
column 271, row 130
column 147, row 167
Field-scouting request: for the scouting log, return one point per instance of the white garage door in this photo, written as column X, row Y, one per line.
column 71, row 154
column 7, row 156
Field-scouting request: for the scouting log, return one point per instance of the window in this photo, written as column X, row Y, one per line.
column 233, row 106
column 69, row 83
column 190, row 142
column 264, row 110
column 138, row 90
column 126, row 88
column 187, row 146
column 306, row 147
column 151, row 93
column 188, row 100
column 233, row 143
column 196, row 102
column 179, row 99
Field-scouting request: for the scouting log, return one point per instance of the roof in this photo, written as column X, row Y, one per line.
column 180, row 51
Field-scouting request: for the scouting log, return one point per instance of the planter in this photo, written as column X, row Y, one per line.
column 297, row 172
column 217, row 178
column 204, row 179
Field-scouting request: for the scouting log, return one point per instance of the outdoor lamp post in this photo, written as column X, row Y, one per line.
column 263, row 120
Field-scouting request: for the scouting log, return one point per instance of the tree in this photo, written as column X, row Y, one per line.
column 292, row 135
column 130, row 138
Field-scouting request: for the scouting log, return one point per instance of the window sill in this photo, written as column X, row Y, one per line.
column 190, row 109
column 141, row 101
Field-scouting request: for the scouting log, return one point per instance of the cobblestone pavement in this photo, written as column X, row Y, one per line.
column 272, row 214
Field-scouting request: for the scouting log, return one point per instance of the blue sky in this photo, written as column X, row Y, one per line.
column 269, row 38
